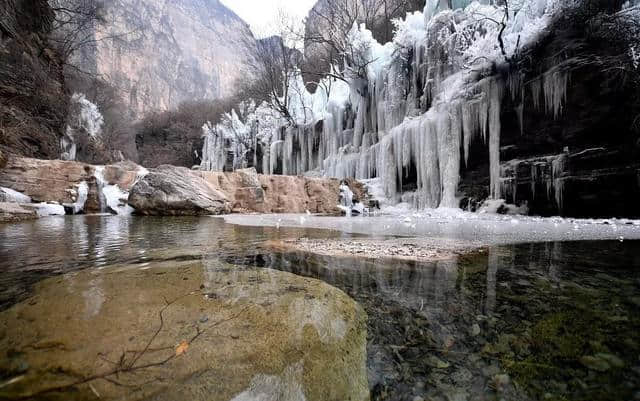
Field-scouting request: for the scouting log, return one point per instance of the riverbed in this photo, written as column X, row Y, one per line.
column 528, row 309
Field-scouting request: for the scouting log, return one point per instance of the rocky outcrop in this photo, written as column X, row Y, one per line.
column 32, row 98
column 167, row 190
column 171, row 190
column 185, row 331
column 14, row 212
column 169, row 52
column 62, row 181
column 177, row 191
column 250, row 192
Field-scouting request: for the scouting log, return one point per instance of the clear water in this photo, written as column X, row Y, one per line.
column 555, row 320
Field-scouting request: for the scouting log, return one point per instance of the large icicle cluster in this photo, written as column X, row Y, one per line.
column 231, row 141
column 541, row 172
column 422, row 101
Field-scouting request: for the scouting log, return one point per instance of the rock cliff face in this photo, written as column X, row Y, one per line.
column 32, row 98
column 161, row 53
column 585, row 162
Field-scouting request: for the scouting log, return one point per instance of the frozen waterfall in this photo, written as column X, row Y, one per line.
column 424, row 99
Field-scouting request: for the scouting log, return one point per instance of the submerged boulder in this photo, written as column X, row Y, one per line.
column 202, row 330
column 177, row 191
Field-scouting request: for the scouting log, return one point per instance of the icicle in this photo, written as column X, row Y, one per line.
column 359, row 128
column 449, row 134
column 469, row 128
column 554, row 85
column 275, row 152
column 494, row 137
column 558, row 165
column 483, row 111
column 536, row 92
column 519, row 109
column 534, row 180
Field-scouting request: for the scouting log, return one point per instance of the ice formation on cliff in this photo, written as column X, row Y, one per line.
column 86, row 120
column 420, row 103
column 230, row 140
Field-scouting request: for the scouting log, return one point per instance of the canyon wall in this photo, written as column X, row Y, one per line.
column 32, row 96
column 161, row 53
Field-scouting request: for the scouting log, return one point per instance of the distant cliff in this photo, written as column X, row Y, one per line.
column 161, row 53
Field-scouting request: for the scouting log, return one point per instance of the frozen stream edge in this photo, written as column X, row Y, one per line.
column 484, row 229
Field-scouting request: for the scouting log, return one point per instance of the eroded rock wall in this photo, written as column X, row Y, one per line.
column 32, row 98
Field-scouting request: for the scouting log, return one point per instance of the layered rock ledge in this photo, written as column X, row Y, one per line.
column 166, row 190
column 195, row 331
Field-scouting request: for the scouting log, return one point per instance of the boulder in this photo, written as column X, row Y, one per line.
column 14, row 212
column 202, row 330
column 177, row 191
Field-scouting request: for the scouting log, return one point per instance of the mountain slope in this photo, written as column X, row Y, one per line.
column 161, row 53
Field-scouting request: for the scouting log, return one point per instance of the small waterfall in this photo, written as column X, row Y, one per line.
column 78, row 206
column 112, row 198
column 99, row 176
column 347, row 203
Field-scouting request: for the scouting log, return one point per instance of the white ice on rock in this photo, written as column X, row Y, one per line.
column 49, row 209
column 86, row 120
column 82, row 194
column 112, row 198
column 11, row 196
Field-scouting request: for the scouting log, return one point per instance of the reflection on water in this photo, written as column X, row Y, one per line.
column 539, row 321
column 512, row 322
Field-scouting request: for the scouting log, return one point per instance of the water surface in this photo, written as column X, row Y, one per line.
column 550, row 320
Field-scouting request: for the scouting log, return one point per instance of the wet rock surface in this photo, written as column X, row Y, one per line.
column 183, row 330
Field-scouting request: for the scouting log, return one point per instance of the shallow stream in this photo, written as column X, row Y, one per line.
column 548, row 320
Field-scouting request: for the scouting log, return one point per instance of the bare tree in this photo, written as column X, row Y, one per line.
column 79, row 24
column 275, row 65
column 329, row 23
